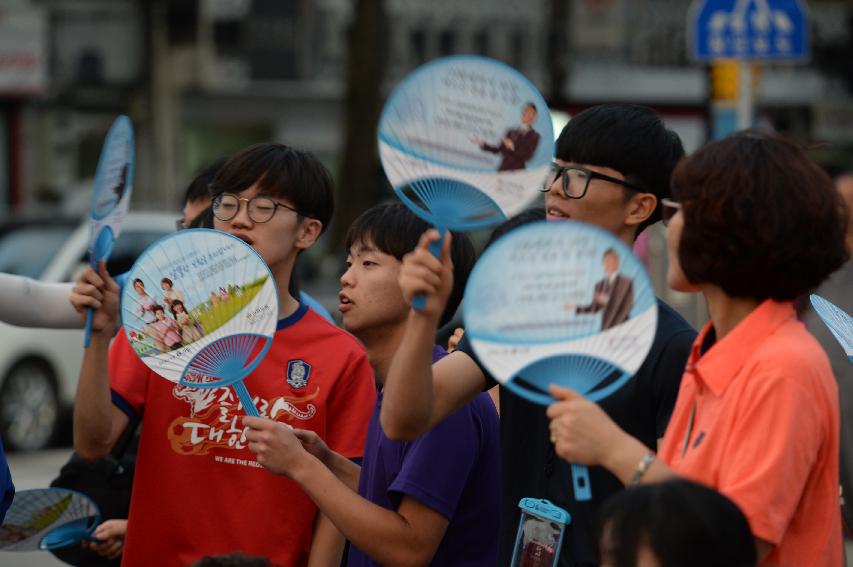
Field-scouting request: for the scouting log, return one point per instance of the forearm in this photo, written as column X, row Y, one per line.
column 625, row 458
column 30, row 303
column 93, row 408
column 327, row 544
column 344, row 469
column 409, row 393
column 384, row 535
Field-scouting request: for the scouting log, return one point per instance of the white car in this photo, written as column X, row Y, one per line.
column 39, row 367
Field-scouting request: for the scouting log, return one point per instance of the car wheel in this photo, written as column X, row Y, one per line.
column 29, row 408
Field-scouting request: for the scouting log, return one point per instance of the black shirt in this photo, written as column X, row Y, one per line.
column 531, row 469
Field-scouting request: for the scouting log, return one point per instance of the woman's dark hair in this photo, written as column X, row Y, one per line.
column 168, row 281
column 140, row 282
column 395, row 230
column 683, row 523
column 280, row 171
column 157, row 307
column 761, row 218
column 629, row 138
column 203, row 220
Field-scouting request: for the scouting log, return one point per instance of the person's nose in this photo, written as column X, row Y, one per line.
column 348, row 277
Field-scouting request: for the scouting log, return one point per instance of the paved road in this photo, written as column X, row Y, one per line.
column 34, row 470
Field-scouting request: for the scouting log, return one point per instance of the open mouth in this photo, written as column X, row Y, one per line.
column 245, row 238
column 555, row 214
column 344, row 303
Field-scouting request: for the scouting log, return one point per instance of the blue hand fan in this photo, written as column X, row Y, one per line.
column 560, row 303
column 839, row 323
column 48, row 518
column 110, row 197
column 466, row 142
column 201, row 309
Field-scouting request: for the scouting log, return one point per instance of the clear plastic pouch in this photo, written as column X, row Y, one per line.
column 540, row 533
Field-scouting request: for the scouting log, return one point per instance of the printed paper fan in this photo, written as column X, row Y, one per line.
column 839, row 323
column 560, row 303
column 460, row 145
column 201, row 309
column 110, row 196
column 48, row 518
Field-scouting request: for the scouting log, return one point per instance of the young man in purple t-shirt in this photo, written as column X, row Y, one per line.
column 431, row 501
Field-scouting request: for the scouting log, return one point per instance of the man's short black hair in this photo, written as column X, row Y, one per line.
column 198, row 189
column 395, row 230
column 629, row 138
column 284, row 172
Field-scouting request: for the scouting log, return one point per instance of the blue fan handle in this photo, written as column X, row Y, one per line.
column 419, row 301
column 90, row 313
column 580, row 482
column 245, row 399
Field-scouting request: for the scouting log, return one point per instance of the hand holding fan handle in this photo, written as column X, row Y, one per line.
column 419, row 301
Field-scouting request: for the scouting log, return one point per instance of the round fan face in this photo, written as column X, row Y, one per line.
column 560, row 303
column 461, row 124
column 48, row 518
column 200, row 307
column 112, row 189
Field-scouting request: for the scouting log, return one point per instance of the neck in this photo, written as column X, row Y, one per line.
column 727, row 311
column 287, row 304
column 381, row 344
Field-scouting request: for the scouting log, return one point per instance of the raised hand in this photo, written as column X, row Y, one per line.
column 98, row 291
column 421, row 272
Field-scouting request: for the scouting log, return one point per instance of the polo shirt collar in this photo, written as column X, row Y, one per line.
column 718, row 366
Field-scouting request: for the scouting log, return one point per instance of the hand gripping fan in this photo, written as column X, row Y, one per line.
column 201, row 309
column 466, row 142
column 560, row 303
column 839, row 323
column 110, row 197
column 48, row 518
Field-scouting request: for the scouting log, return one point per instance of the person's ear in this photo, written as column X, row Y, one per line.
column 309, row 232
column 639, row 208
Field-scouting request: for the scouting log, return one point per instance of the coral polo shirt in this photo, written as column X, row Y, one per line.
column 757, row 419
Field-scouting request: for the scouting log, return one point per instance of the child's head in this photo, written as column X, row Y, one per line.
column 275, row 198
column 671, row 524
column 139, row 286
column 166, row 284
column 159, row 312
column 177, row 307
column 628, row 143
column 376, row 243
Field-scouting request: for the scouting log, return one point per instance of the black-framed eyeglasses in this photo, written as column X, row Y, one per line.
column 576, row 180
column 261, row 209
column 668, row 209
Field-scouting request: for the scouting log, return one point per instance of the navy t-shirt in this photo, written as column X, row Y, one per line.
column 531, row 468
column 454, row 469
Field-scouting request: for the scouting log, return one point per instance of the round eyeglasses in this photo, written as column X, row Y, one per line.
column 260, row 209
column 576, row 180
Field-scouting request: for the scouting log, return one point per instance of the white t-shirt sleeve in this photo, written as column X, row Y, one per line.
column 30, row 303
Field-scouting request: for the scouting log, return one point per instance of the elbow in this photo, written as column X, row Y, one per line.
column 89, row 451
column 397, row 429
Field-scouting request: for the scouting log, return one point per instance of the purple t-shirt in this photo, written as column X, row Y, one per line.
column 454, row 469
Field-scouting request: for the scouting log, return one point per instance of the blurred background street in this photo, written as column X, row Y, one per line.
column 201, row 79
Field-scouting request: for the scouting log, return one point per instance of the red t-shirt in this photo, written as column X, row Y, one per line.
column 757, row 419
column 198, row 490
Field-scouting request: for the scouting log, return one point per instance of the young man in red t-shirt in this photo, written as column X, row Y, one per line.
column 198, row 490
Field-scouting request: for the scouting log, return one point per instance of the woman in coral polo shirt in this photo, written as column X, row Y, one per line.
column 756, row 224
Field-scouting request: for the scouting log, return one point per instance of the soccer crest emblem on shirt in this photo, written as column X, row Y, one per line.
column 298, row 373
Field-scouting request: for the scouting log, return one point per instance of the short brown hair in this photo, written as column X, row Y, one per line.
column 761, row 218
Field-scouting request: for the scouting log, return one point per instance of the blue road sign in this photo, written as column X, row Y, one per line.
column 748, row 29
